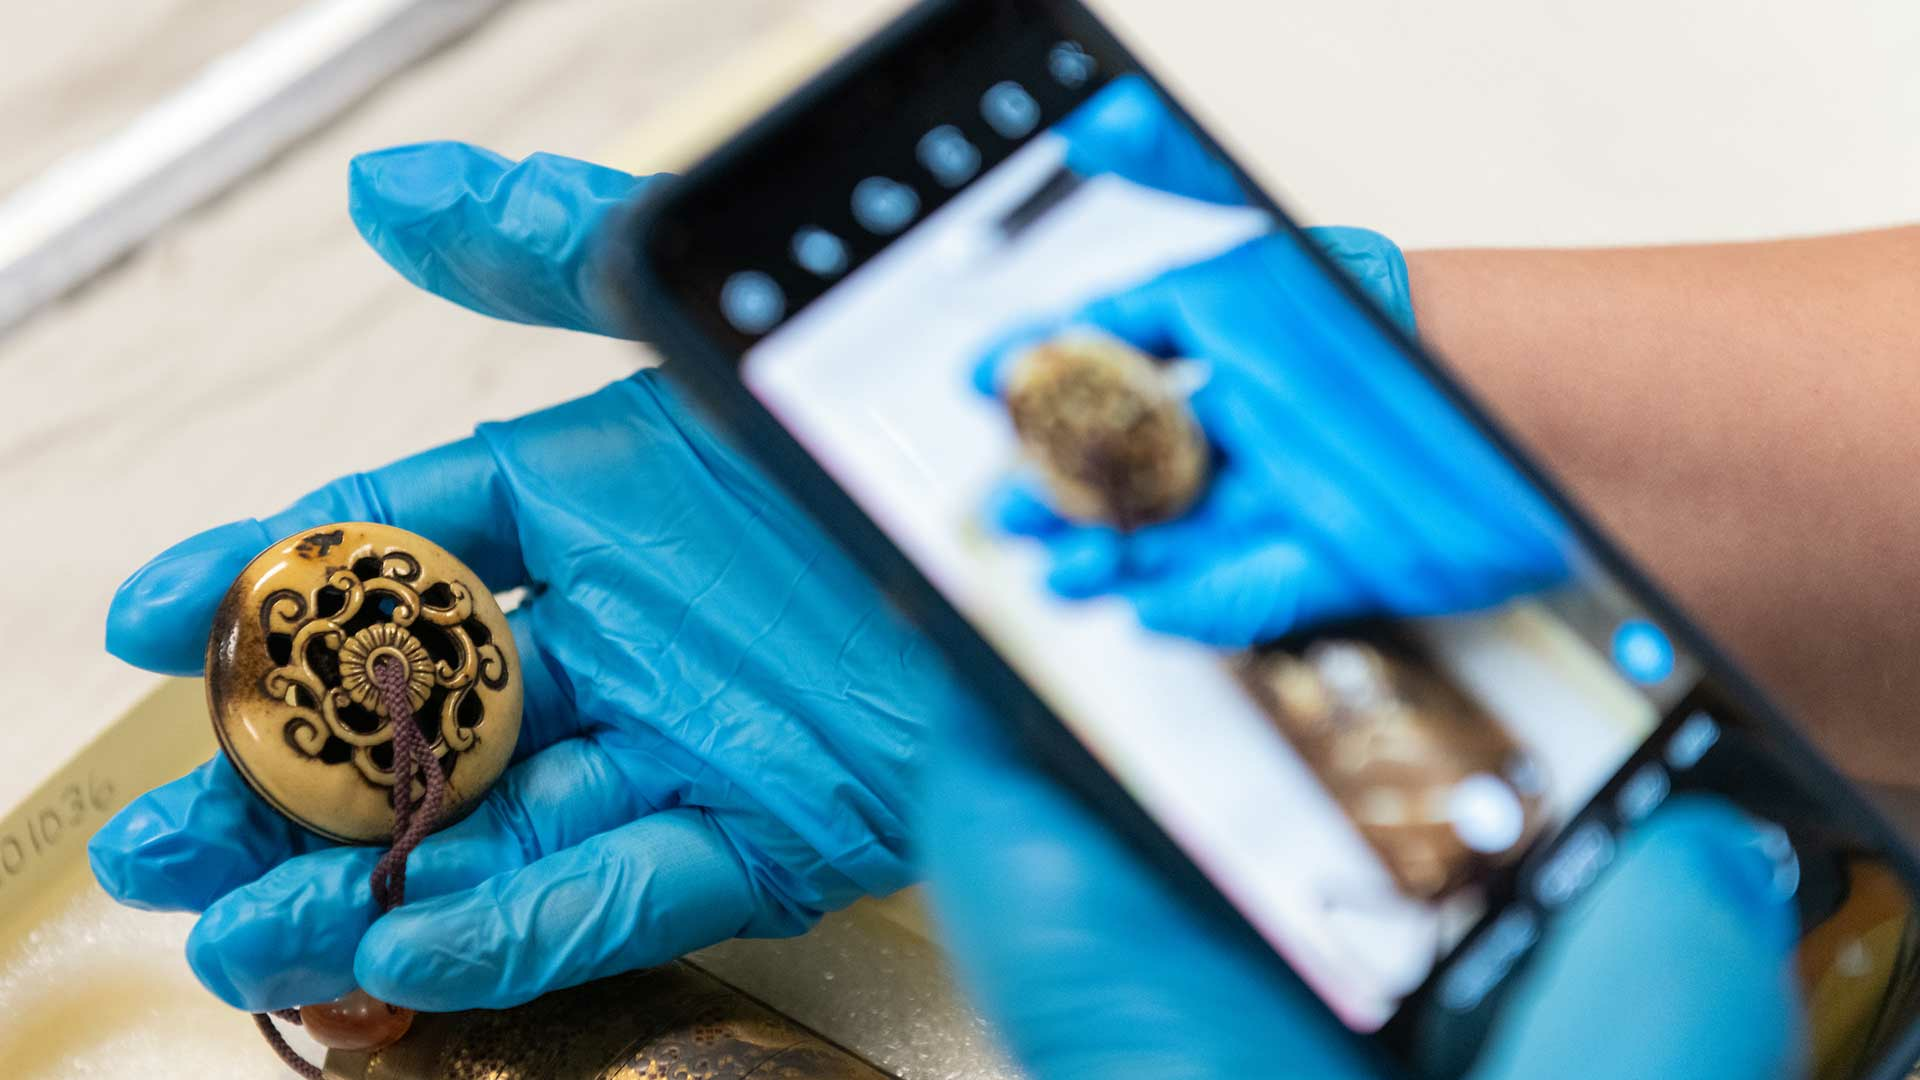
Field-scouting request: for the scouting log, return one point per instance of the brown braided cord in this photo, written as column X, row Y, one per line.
column 412, row 822
column 411, row 756
column 287, row 1053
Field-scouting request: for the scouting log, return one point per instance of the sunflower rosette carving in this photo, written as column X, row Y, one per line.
column 290, row 674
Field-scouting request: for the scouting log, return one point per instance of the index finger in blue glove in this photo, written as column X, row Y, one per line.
column 1016, row 507
column 514, row 240
column 185, row 844
column 1688, row 945
column 188, row 843
column 1129, row 130
column 1082, row 559
column 1084, row 562
column 289, row 937
column 160, row 617
column 1239, row 598
column 1147, row 314
column 639, row 895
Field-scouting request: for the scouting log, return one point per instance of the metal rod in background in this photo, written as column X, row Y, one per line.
column 92, row 207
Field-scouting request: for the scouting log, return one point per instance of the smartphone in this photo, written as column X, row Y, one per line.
column 1218, row 539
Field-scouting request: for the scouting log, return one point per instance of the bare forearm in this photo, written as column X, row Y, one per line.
column 1746, row 418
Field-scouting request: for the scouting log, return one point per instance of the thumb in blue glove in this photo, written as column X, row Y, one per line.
column 1346, row 483
column 1677, row 964
column 523, row 240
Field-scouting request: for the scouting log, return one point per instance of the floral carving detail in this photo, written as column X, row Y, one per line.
column 373, row 644
column 376, row 606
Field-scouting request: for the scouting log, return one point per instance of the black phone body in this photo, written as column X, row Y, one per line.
column 918, row 196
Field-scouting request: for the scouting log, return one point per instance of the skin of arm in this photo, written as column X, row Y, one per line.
column 1745, row 418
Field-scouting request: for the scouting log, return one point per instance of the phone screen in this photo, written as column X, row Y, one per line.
column 1352, row 788
column 1264, row 566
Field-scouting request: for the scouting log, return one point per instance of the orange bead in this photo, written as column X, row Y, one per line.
column 358, row 1021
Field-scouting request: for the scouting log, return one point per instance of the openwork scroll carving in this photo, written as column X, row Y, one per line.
column 325, row 643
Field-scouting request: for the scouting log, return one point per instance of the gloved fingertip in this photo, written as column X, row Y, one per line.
column 251, row 964
column 1164, row 612
column 513, row 240
column 1375, row 264
column 160, row 616
column 1085, row 563
column 395, row 960
column 469, row 950
column 287, row 938
column 107, row 858
column 390, row 189
column 396, row 194
column 999, row 355
column 1695, row 922
column 208, row 965
column 986, row 373
column 185, row 844
column 124, row 864
column 632, row 897
column 1749, row 864
column 1016, row 509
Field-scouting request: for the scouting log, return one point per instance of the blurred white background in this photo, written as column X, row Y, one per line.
column 1561, row 121
column 197, row 381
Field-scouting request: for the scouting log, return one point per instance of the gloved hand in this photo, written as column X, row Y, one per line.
column 1677, row 964
column 672, row 801
column 1128, row 130
column 723, row 719
column 1345, row 484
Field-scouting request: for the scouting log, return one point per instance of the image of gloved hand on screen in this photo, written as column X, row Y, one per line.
column 1341, row 482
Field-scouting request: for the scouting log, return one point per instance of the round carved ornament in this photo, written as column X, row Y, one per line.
column 290, row 675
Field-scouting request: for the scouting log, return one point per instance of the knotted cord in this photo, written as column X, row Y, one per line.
column 412, row 822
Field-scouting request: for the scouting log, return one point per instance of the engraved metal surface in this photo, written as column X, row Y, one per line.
column 289, row 679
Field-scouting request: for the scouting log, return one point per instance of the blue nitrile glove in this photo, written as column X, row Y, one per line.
column 1128, row 130
column 1678, row 964
column 722, row 728
column 1345, row 484
column 723, row 724
column 723, row 719
column 513, row 240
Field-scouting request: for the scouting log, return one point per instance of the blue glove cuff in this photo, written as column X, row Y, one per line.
column 1374, row 263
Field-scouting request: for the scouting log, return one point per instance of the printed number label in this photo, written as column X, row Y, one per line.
column 45, row 827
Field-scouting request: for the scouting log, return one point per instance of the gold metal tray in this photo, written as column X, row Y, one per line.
column 91, row 989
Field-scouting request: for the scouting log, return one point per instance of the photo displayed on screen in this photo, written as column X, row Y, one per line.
column 1284, row 591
